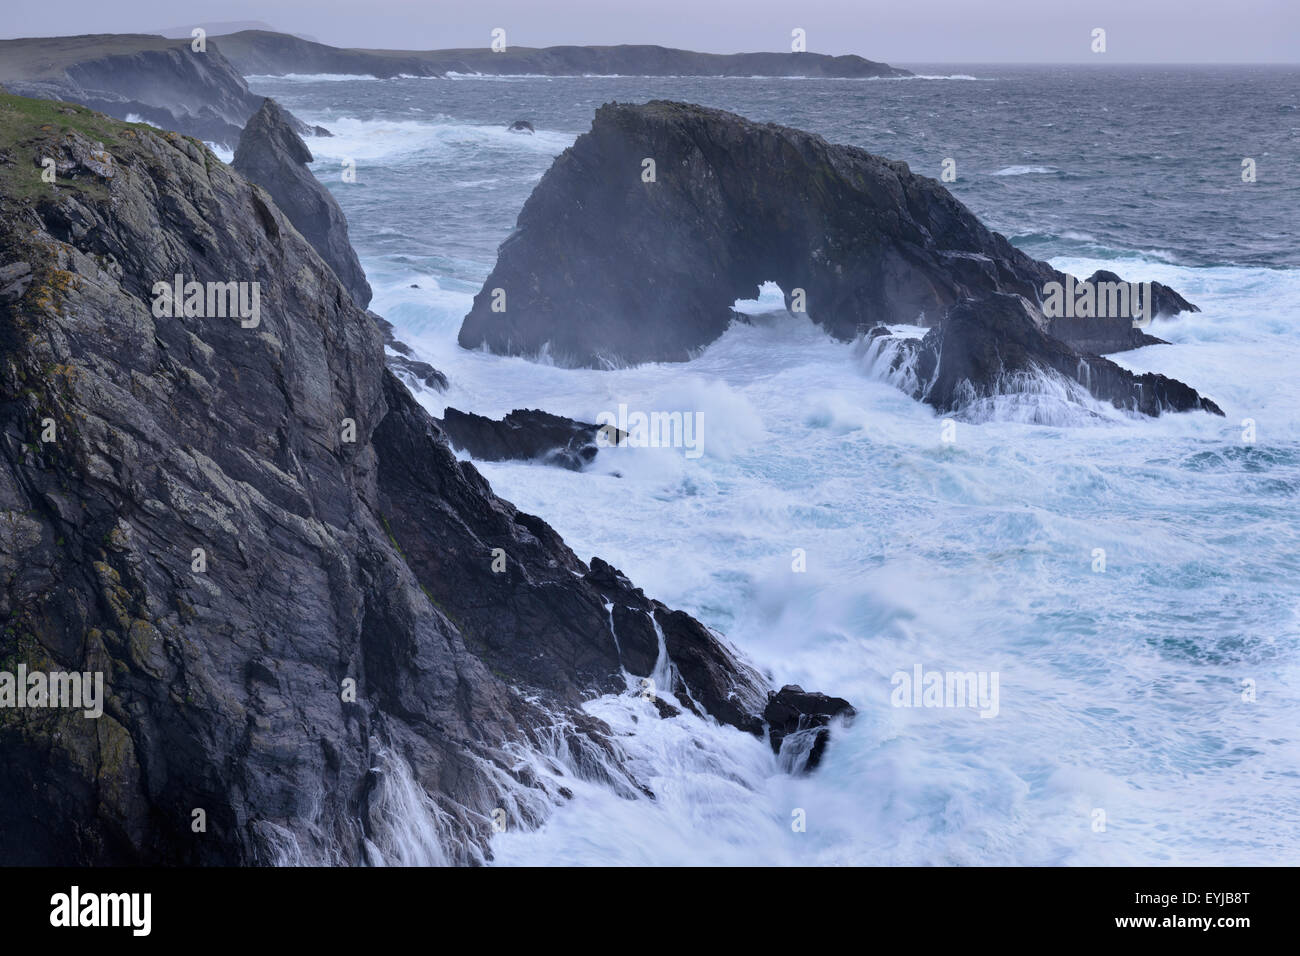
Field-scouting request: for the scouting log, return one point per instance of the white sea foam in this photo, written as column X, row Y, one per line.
column 1120, row 690
column 397, row 141
column 308, row 77
column 1024, row 170
column 227, row 156
column 955, row 556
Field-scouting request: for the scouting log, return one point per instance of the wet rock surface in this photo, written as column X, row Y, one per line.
column 268, row 549
column 996, row 345
column 272, row 155
column 527, row 435
column 798, row 723
column 413, row 373
column 1107, row 334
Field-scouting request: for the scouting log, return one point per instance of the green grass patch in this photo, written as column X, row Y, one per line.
column 31, row 129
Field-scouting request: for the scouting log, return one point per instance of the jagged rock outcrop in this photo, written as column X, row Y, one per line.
column 527, row 435
column 642, row 235
column 996, row 345
column 797, row 724
column 262, row 52
column 253, row 531
column 1116, row 333
column 272, row 155
column 160, row 81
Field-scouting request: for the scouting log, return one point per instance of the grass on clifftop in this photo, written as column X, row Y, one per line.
column 25, row 124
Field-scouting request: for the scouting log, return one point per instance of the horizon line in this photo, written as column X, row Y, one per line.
column 889, row 62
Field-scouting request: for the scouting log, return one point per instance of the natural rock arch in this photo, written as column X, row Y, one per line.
column 605, row 265
column 642, row 235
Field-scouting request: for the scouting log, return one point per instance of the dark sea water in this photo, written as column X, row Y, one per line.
column 1122, row 691
column 1135, row 157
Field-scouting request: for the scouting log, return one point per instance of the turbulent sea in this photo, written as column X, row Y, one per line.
column 1126, row 731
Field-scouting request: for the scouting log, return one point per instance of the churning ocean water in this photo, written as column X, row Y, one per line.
column 1147, row 712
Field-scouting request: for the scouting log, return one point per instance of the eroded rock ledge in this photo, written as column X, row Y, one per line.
column 642, row 235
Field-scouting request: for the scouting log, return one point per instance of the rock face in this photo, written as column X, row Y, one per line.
column 605, row 266
column 257, row 51
column 163, row 82
column 639, row 239
column 797, row 724
column 1107, row 334
column 272, row 155
column 263, row 543
column 997, row 345
column 526, row 435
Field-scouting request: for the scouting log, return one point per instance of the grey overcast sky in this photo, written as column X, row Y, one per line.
column 919, row 31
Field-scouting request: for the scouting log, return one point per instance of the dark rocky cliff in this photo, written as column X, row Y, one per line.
column 607, row 265
column 161, row 81
column 339, row 537
column 257, row 51
column 272, row 155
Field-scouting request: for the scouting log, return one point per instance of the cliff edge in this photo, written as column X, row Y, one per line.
column 319, row 633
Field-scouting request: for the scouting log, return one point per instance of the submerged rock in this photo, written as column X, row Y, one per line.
column 521, row 126
column 275, row 157
column 258, row 537
column 526, row 435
